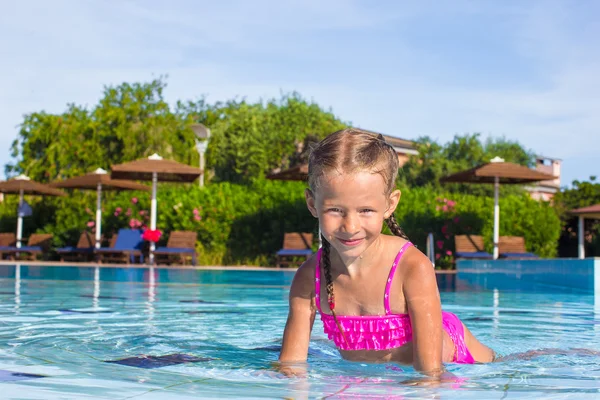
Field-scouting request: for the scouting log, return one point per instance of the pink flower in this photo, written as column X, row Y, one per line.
column 134, row 200
column 88, row 211
column 135, row 223
column 437, row 256
column 445, row 229
column 91, row 224
column 445, row 208
column 143, row 212
column 440, row 244
column 451, row 203
column 151, row 235
column 456, row 220
column 196, row 211
column 118, row 209
column 128, row 212
column 448, row 252
column 116, row 214
column 197, row 217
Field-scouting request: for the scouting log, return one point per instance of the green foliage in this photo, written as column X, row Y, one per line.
column 447, row 214
column 582, row 194
column 244, row 224
column 435, row 161
column 131, row 121
column 250, row 140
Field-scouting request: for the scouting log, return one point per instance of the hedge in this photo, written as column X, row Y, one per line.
column 244, row 224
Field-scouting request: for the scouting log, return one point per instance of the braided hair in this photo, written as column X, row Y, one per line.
column 352, row 150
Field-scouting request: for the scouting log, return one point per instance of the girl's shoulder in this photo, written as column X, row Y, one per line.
column 305, row 274
column 411, row 258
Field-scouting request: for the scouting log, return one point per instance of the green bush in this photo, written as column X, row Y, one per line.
column 244, row 224
column 425, row 210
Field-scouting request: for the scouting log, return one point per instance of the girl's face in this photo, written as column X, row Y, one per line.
column 351, row 209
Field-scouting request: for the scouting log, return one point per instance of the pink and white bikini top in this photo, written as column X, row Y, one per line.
column 369, row 332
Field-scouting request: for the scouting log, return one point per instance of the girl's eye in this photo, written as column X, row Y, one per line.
column 334, row 210
column 368, row 210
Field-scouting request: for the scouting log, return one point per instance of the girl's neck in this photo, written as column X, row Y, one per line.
column 353, row 266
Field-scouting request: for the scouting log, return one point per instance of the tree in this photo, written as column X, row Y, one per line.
column 250, row 140
column 582, row 194
column 130, row 121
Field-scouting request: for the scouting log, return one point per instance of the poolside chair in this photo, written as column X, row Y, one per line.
column 82, row 252
column 471, row 247
column 513, row 247
column 37, row 244
column 7, row 242
column 180, row 246
column 126, row 248
column 295, row 244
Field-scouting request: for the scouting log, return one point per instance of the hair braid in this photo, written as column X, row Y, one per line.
column 329, row 284
column 395, row 227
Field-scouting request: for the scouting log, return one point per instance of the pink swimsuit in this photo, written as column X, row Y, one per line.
column 383, row 332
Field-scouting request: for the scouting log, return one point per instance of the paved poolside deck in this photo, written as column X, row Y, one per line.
column 201, row 267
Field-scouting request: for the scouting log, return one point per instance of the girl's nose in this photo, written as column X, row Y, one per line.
column 351, row 224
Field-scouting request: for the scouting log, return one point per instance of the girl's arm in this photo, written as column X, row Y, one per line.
column 425, row 310
column 301, row 316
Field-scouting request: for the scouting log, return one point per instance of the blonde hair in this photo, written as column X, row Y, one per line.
column 347, row 151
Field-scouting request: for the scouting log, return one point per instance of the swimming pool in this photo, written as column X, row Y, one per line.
column 140, row 333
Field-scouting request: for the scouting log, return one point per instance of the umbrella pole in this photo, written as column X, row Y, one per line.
column 580, row 238
column 496, row 216
column 153, row 214
column 20, row 220
column 98, row 215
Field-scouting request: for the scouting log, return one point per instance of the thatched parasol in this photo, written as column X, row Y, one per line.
column 298, row 173
column 590, row 212
column 98, row 180
column 155, row 168
column 23, row 185
column 498, row 171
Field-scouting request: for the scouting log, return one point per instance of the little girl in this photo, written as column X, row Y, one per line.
column 377, row 294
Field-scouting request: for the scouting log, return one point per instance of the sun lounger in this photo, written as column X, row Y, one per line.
column 37, row 244
column 82, row 252
column 295, row 244
column 471, row 247
column 180, row 246
column 513, row 247
column 7, row 242
column 127, row 248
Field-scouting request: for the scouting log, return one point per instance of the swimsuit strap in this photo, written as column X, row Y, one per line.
column 386, row 297
column 318, row 280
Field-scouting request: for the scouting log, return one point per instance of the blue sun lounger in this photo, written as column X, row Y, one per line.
column 127, row 248
column 470, row 247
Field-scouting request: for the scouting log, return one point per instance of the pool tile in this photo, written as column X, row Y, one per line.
column 150, row 362
column 91, row 296
column 11, row 376
column 72, row 311
column 195, row 301
column 213, row 312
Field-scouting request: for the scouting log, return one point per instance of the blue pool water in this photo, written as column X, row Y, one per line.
column 139, row 333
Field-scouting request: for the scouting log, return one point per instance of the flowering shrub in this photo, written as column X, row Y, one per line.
column 239, row 224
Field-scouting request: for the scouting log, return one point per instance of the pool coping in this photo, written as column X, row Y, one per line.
column 162, row 266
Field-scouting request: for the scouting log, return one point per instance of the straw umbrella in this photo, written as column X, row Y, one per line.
column 590, row 212
column 98, row 180
column 297, row 173
column 155, row 168
column 23, row 185
column 498, row 171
